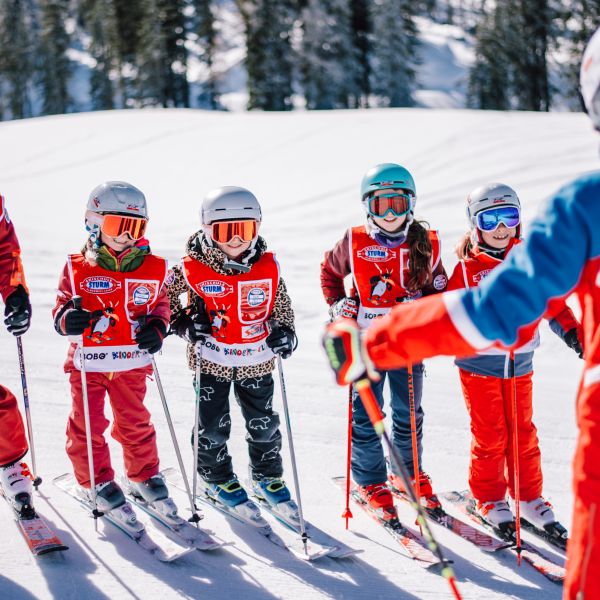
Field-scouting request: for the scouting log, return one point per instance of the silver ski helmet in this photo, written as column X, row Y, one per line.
column 113, row 197
column 230, row 203
column 589, row 79
column 491, row 195
column 117, row 197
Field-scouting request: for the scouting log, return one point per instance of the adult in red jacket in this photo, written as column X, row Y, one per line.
column 551, row 263
column 14, row 474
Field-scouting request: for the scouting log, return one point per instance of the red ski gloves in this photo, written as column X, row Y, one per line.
column 346, row 353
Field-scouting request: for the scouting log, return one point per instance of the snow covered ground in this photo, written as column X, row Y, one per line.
column 306, row 170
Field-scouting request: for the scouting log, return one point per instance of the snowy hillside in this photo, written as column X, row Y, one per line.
column 306, row 169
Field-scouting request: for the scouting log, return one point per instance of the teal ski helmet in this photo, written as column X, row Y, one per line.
column 388, row 176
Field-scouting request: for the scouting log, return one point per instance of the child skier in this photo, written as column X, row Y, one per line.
column 123, row 319
column 494, row 215
column 15, row 479
column 240, row 314
column 393, row 259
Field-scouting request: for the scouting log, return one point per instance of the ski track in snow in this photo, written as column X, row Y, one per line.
column 306, row 170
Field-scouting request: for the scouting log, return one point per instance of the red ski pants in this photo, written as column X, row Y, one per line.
column 131, row 426
column 491, row 467
column 583, row 549
column 13, row 443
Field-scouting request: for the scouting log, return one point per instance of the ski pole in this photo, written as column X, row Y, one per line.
column 86, row 415
column 516, row 481
column 363, row 386
column 413, row 432
column 347, row 514
column 197, row 382
column 303, row 534
column 161, row 392
column 36, row 479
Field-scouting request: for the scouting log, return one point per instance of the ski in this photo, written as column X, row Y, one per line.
column 183, row 530
column 481, row 539
column 410, row 543
column 123, row 518
column 465, row 503
column 38, row 535
column 555, row 533
column 248, row 513
column 318, row 538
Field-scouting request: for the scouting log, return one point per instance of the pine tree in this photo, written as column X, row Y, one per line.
column 17, row 31
column 204, row 28
column 161, row 56
column 361, row 27
column 269, row 53
column 579, row 20
column 489, row 76
column 100, row 19
column 54, row 65
column 394, row 52
column 330, row 65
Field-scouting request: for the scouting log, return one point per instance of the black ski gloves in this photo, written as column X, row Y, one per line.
column 17, row 312
column 150, row 336
column 77, row 320
column 194, row 327
column 282, row 340
column 571, row 339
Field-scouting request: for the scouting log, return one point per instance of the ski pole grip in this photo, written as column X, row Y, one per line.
column 76, row 302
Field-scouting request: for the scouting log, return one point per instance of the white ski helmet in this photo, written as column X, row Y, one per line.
column 589, row 79
column 229, row 203
column 489, row 196
column 117, row 197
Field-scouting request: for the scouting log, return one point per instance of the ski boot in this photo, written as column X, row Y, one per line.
column 498, row 515
column 379, row 499
column 229, row 493
column 17, row 486
column 537, row 515
column 274, row 492
column 153, row 491
column 429, row 500
column 108, row 496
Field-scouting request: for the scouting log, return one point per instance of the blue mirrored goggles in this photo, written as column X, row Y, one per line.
column 490, row 219
column 397, row 204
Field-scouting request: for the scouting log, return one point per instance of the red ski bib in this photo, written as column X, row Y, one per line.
column 238, row 307
column 117, row 301
column 380, row 273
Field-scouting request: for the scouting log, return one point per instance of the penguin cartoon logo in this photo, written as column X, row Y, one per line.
column 380, row 285
column 102, row 321
column 219, row 321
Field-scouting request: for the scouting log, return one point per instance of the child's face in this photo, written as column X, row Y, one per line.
column 117, row 244
column 390, row 222
column 234, row 248
column 500, row 237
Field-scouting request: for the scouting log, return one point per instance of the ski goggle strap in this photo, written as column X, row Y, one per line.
column 490, row 219
column 224, row 231
column 116, row 225
column 397, row 204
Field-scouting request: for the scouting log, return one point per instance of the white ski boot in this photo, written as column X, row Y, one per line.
column 109, row 496
column 17, row 486
column 538, row 512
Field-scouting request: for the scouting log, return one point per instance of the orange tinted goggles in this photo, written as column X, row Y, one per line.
column 224, row 231
column 116, row 225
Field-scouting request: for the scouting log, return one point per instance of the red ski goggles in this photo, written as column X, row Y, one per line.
column 397, row 204
column 115, row 226
column 224, row 231
column 490, row 219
